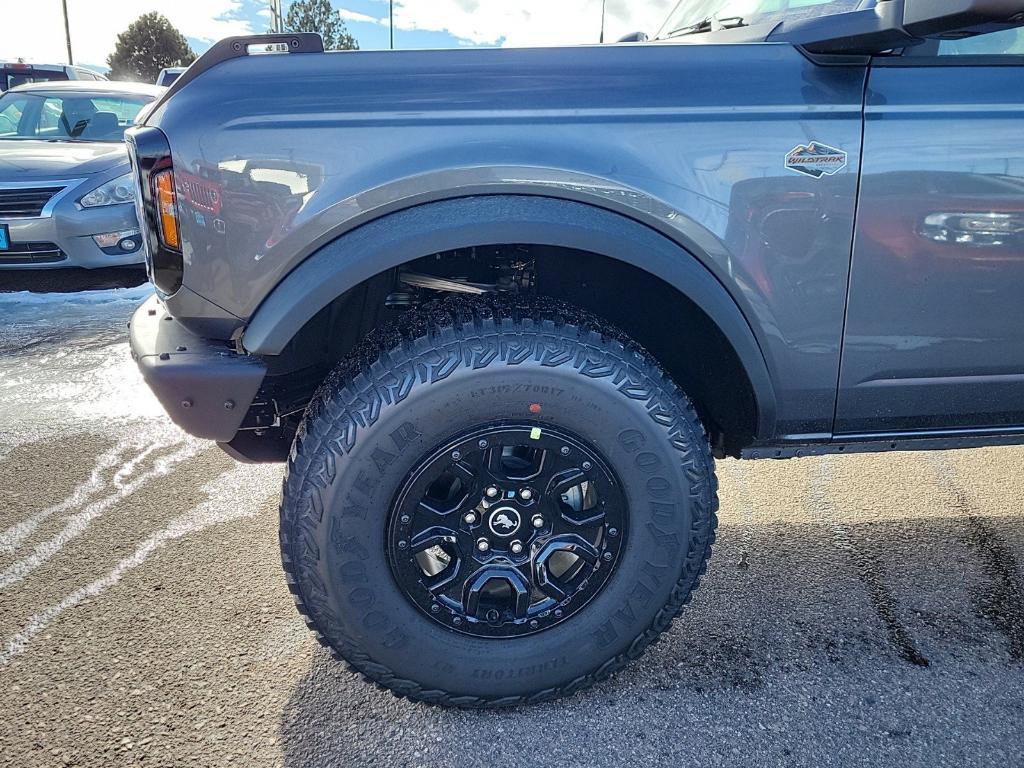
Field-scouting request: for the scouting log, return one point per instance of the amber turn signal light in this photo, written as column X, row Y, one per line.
column 167, row 207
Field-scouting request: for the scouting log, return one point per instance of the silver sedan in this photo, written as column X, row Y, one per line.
column 66, row 194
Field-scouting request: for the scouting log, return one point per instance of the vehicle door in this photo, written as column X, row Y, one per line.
column 934, row 336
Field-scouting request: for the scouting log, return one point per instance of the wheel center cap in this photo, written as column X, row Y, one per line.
column 504, row 521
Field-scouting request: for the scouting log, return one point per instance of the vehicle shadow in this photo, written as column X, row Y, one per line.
column 806, row 638
column 71, row 280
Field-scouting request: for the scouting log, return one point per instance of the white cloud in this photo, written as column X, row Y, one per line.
column 35, row 29
column 523, row 23
column 348, row 15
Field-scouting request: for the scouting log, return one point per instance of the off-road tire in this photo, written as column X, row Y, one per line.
column 442, row 370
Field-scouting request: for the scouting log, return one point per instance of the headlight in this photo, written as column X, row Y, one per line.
column 115, row 191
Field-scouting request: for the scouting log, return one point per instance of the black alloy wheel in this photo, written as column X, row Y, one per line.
column 508, row 530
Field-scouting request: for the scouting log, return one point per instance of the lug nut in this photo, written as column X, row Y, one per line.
column 565, row 450
column 586, row 466
column 491, row 492
column 526, row 494
column 538, row 521
column 469, row 518
column 483, row 545
column 517, row 547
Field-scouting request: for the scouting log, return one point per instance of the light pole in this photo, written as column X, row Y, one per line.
column 276, row 17
column 67, row 31
column 602, row 20
column 391, row 5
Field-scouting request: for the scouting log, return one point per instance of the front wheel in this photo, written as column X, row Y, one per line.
column 504, row 505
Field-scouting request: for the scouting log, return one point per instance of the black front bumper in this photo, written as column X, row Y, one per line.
column 205, row 387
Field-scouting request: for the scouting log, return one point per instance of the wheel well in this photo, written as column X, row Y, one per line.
column 674, row 329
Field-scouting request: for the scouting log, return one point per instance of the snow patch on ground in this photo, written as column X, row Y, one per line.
column 135, row 295
column 64, row 361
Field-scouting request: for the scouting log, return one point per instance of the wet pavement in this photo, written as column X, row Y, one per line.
column 863, row 610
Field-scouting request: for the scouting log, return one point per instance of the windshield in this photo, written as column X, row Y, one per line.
column 68, row 117
column 690, row 13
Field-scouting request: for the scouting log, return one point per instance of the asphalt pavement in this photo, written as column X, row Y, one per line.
column 863, row 610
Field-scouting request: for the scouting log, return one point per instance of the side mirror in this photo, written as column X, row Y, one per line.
column 960, row 18
column 898, row 24
column 634, row 37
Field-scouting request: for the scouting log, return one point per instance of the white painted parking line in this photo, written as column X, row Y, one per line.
column 78, row 523
column 17, row 533
column 821, row 507
column 220, row 507
column 126, row 470
column 737, row 473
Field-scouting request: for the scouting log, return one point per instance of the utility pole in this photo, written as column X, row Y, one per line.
column 276, row 17
column 67, row 31
column 602, row 20
column 392, row 7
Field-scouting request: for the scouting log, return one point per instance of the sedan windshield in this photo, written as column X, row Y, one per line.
column 68, row 116
column 697, row 15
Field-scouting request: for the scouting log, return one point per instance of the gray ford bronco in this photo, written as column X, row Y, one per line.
column 499, row 309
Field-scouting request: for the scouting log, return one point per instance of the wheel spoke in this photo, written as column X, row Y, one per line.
column 550, row 584
column 571, row 543
column 493, row 463
column 517, row 463
column 475, row 599
column 574, row 482
column 442, row 508
column 465, row 471
column 436, row 535
column 565, row 481
column 444, row 539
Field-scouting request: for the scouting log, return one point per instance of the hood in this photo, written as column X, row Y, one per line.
column 27, row 160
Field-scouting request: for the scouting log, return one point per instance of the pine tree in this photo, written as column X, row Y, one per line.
column 320, row 16
column 148, row 45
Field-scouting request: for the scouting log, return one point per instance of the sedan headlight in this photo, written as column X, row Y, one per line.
column 113, row 192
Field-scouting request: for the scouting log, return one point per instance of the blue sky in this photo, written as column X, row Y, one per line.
column 371, row 36
column 34, row 30
column 375, row 36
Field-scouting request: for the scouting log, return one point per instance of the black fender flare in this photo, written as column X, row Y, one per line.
column 396, row 238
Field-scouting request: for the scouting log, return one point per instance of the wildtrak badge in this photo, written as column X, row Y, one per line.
column 816, row 160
